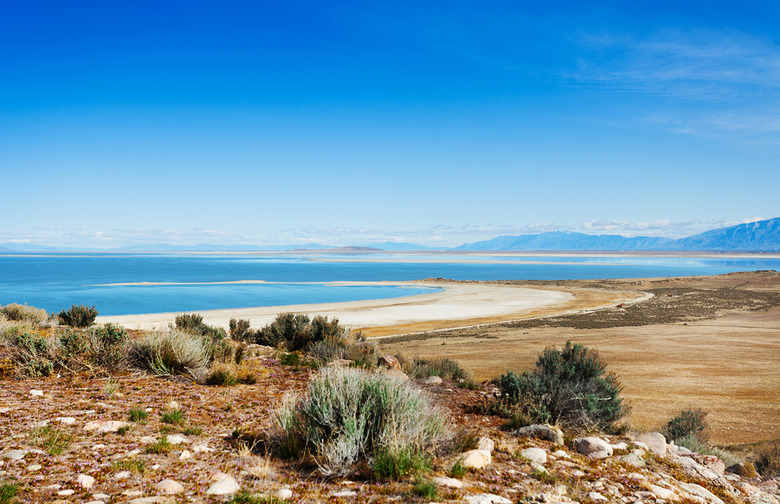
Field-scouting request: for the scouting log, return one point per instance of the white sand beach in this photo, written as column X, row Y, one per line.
column 456, row 305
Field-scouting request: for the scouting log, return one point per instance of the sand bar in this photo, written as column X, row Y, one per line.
column 456, row 305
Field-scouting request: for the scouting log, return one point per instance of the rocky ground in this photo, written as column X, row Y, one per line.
column 71, row 439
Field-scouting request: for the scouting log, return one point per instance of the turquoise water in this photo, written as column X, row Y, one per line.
column 56, row 281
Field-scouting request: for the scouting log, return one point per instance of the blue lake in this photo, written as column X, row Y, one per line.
column 56, row 281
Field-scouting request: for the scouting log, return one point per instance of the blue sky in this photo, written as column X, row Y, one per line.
column 363, row 122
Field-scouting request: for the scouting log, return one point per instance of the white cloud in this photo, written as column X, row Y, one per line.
column 661, row 227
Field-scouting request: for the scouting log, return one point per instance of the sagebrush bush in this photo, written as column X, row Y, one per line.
column 192, row 323
column 33, row 354
column 171, row 353
column 78, row 316
column 239, row 330
column 768, row 459
column 688, row 423
column 349, row 415
column 568, row 386
column 296, row 331
column 446, row 368
column 99, row 347
column 16, row 312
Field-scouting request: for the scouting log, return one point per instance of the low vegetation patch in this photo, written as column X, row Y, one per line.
column 16, row 312
column 690, row 423
column 171, row 353
column 192, row 323
column 7, row 492
column 768, row 459
column 349, row 415
column 569, row 387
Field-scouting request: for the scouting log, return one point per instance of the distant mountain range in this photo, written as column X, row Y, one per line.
column 760, row 236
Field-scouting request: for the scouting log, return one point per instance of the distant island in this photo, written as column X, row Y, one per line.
column 759, row 236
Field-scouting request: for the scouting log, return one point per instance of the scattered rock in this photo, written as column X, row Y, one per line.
column 175, row 439
column 147, row 439
column 169, row 487
column 487, row 499
column 633, row 460
column 202, row 448
column 593, row 447
column 536, row 455
column 122, row 475
column 485, row 443
column 655, row 442
column 561, row 454
column 36, row 393
column 103, row 426
column 595, row 496
column 619, row 446
column 663, row 493
column 344, row 493
column 700, row 491
column 172, row 405
column 544, row 432
column 101, row 496
column 224, row 486
column 157, row 499
column 284, row 494
column 185, row 455
column 66, row 420
column 132, row 493
column 34, row 467
column 709, row 461
column 476, row 459
column 389, row 362
column 16, row 454
column 85, row 481
column 65, row 493
column 433, row 380
column 447, row 482
column 98, row 447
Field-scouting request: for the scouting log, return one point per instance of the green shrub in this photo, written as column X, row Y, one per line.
column 137, row 415
column 569, row 387
column 33, row 355
column 192, row 323
column 16, row 312
column 78, row 316
column 688, row 423
column 54, row 440
column 348, row 415
column 397, row 464
column 296, row 331
column 173, row 417
column 247, row 497
column 426, row 489
column 458, row 470
column 109, row 346
column 170, row 353
column 768, row 459
column 159, row 447
column 239, row 330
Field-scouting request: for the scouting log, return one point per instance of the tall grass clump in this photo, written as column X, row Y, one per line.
column 569, row 387
column 78, row 316
column 349, row 416
column 171, row 353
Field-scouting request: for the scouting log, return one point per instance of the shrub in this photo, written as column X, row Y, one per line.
column 348, row 415
column 192, row 323
column 458, row 470
column 108, row 344
column 569, row 387
column 395, row 465
column 137, row 415
column 16, row 312
column 689, row 423
column 426, row 489
column 226, row 375
column 296, row 331
column 32, row 354
column 8, row 492
column 159, row 447
column 170, row 353
column 239, row 330
column 768, row 459
column 173, row 417
column 78, row 316
column 54, row 440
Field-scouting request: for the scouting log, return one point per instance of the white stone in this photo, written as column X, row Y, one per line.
column 663, row 493
column 95, row 502
column 133, row 453
column 169, row 487
column 98, row 447
column 65, row 493
column 172, row 405
column 157, row 499
column 132, row 493
column 101, row 496
column 202, row 448
column 640, row 444
column 16, row 454
column 147, row 439
column 476, row 459
column 447, row 482
column 485, row 443
column 619, row 446
column 52, row 487
column 103, row 426
column 536, row 455
column 85, row 481
column 487, row 499
column 344, row 493
column 561, row 454
column 577, row 473
column 284, row 494
column 593, row 447
column 36, row 393
column 655, row 441
column 185, row 455
column 68, row 420
column 225, row 486
column 34, row 467
column 175, row 439
column 700, row 491
column 122, row 475
column 595, row 496
column 433, row 380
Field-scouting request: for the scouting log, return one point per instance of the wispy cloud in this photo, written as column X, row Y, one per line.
column 661, row 227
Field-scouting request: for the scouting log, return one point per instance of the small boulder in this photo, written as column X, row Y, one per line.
column 389, row 362
column 344, row 493
column 224, row 486
column 169, row 487
column 535, row 455
column 476, row 459
column 66, row 420
column 16, row 454
column 485, row 443
column 663, row 493
column 633, row 460
column 593, row 447
column 185, row 455
column 433, row 380
column 85, row 481
column 36, row 393
column 596, row 497
column 700, row 491
column 284, row 494
column 487, row 499
column 544, row 432
column 655, row 441
column 448, row 482
column 175, row 439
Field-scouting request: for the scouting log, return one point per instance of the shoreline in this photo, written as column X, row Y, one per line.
column 456, row 305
